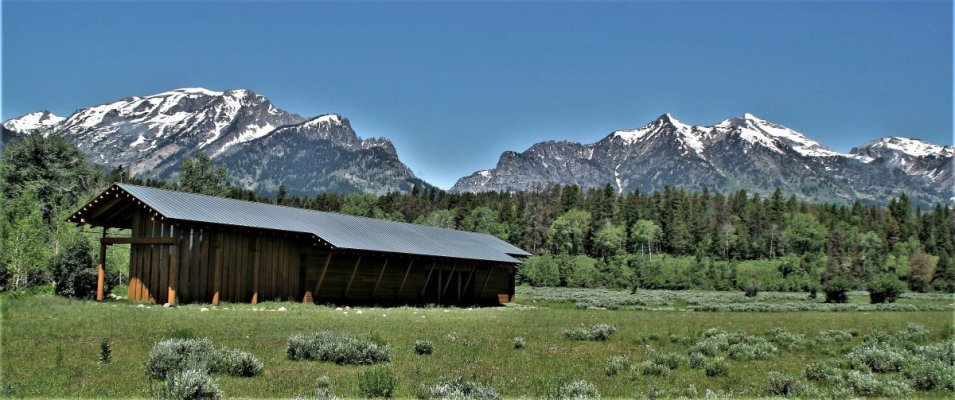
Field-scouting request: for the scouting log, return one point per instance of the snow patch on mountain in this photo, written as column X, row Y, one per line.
column 40, row 120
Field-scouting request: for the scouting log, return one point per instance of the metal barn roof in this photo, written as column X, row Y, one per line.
column 341, row 231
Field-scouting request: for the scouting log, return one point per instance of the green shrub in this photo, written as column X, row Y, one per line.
column 837, row 290
column 458, row 388
column 377, row 382
column 913, row 333
column 789, row 340
column 885, row 289
column 74, row 272
column 190, row 384
column 175, row 355
column 778, row 384
column 870, row 385
column 423, row 347
column 615, row 364
column 751, row 289
column 597, row 332
column 650, row 368
column 519, row 343
column 234, row 362
column 105, row 351
column 696, row 360
column 929, row 374
column 669, row 360
column 323, row 390
column 877, row 358
column 757, row 350
column 832, row 335
column 823, row 372
column 716, row 367
column 335, row 347
column 575, row 390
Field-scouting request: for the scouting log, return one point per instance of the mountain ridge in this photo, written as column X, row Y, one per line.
column 744, row 152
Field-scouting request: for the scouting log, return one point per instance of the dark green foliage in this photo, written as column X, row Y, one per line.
column 378, row 381
column 423, row 347
column 778, row 384
column 885, row 289
column 74, row 272
column 105, row 351
column 716, row 367
column 200, row 176
column 597, row 332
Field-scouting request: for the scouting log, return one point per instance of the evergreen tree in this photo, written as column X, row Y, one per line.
column 198, row 175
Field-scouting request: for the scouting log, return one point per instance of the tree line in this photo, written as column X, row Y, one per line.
column 587, row 237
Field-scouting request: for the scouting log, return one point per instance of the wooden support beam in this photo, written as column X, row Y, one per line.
column 352, row 279
column 321, row 277
column 173, row 273
column 101, row 268
column 118, row 210
column 487, row 279
column 216, row 268
column 255, row 271
column 138, row 240
column 447, row 285
column 405, row 279
column 426, row 280
column 470, row 275
column 103, row 208
column 380, row 274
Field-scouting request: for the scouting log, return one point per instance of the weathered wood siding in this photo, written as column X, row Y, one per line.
column 248, row 267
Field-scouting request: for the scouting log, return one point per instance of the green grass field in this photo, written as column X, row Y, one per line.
column 50, row 345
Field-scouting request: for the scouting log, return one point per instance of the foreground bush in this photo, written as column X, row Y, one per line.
column 188, row 385
column 74, row 272
column 170, row 356
column 576, row 390
column 597, row 332
column 335, row 347
column 458, row 388
column 234, row 362
column 377, row 382
column 778, row 384
column 423, row 347
column 616, row 364
column 175, row 355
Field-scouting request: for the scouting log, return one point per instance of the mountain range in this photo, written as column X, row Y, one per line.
column 263, row 146
column 738, row 153
column 260, row 145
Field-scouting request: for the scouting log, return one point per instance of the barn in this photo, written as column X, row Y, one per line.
column 192, row 248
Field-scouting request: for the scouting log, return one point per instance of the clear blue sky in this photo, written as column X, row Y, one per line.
column 455, row 84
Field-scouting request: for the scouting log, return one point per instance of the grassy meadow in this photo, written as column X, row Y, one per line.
column 51, row 345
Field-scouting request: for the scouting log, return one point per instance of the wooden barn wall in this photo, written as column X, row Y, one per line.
column 252, row 268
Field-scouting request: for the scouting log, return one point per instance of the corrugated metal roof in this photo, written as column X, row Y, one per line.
column 341, row 231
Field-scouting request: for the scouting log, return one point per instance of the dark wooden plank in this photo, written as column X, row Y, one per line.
column 138, row 240
column 405, row 279
column 426, row 280
column 321, row 277
column 447, row 285
column 380, row 274
column 217, row 269
column 352, row 279
column 255, row 272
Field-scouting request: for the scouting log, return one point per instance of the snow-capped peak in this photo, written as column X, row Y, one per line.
column 331, row 119
column 39, row 120
column 195, row 90
column 910, row 146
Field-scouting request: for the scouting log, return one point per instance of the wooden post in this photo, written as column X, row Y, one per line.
column 380, row 274
column 405, row 279
column 321, row 277
column 216, row 267
column 352, row 279
column 173, row 271
column 255, row 272
column 101, row 268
